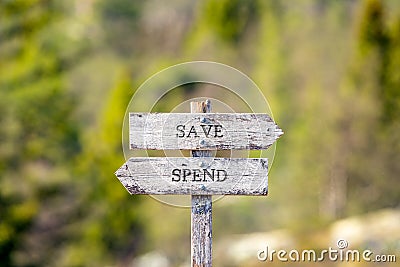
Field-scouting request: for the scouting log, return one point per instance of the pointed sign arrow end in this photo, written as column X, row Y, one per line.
column 132, row 187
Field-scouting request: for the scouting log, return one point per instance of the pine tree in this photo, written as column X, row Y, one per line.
column 110, row 228
column 38, row 137
column 369, row 96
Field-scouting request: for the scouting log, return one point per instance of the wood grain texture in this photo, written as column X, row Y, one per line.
column 201, row 214
column 154, row 176
column 211, row 131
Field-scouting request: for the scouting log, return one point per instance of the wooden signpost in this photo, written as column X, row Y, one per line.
column 201, row 175
column 194, row 176
column 197, row 131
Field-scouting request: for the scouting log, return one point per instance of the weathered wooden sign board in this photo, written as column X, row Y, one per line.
column 202, row 131
column 194, row 176
column 200, row 176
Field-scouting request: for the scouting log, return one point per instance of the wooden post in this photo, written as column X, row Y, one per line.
column 201, row 234
column 177, row 176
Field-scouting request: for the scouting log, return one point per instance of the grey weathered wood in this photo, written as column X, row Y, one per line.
column 201, row 214
column 225, row 131
column 200, row 176
column 153, row 176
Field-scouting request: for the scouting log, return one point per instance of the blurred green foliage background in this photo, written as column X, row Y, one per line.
column 331, row 73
